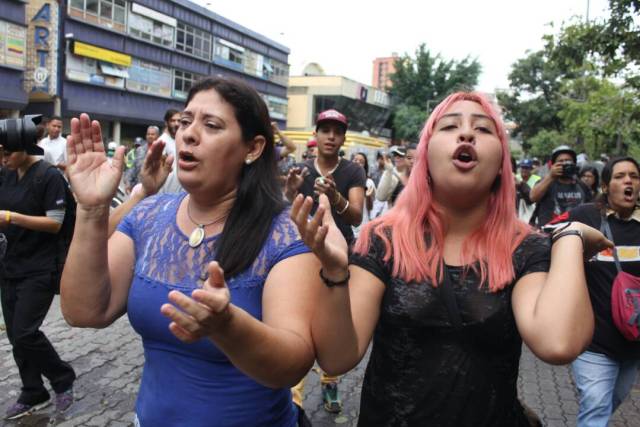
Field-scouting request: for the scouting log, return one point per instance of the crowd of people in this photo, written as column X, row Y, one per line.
column 240, row 267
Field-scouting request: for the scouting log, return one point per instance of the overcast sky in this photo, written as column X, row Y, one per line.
column 344, row 36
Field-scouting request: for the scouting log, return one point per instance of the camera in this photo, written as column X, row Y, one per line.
column 569, row 170
column 21, row 134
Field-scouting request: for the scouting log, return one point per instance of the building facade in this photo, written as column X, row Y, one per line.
column 366, row 108
column 13, row 57
column 383, row 68
column 126, row 62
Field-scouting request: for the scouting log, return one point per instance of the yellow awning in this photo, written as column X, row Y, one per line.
column 101, row 54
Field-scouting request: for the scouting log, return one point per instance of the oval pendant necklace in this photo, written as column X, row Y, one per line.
column 197, row 235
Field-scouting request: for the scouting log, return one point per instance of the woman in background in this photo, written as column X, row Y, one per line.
column 369, row 194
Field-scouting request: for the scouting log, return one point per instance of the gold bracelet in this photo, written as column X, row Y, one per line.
column 7, row 216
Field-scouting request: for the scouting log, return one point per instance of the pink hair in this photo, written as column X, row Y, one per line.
column 417, row 225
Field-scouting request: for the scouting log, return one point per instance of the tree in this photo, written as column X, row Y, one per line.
column 612, row 44
column 419, row 83
column 605, row 120
column 408, row 121
column 535, row 97
column 563, row 91
column 542, row 144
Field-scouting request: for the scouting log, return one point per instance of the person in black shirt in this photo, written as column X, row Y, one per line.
column 343, row 182
column 560, row 190
column 449, row 283
column 605, row 373
column 31, row 215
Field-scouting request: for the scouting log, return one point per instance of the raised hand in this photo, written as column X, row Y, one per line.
column 202, row 314
column 155, row 169
column 295, row 178
column 93, row 178
column 321, row 235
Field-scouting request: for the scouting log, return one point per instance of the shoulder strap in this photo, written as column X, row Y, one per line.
column 606, row 230
column 446, row 290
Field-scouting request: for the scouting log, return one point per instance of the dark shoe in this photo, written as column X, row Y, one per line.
column 64, row 400
column 330, row 398
column 18, row 410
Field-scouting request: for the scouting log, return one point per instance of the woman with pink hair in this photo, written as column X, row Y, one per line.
column 449, row 283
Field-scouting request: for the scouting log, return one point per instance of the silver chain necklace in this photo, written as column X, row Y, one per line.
column 197, row 235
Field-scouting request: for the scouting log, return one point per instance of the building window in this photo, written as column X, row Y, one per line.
column 106, row 13
column 277, row 107
column 229, row 54
column 255, row 64
column 279, row 72
column 193, row 41
column 152, row 26
column 182, row 82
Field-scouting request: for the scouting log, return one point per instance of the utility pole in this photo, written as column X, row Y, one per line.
column 588, row 11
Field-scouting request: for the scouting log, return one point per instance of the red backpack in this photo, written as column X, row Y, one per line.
column 625, row 296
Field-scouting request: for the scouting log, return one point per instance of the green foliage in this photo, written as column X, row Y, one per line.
column 408, row 121
column 613, row 45
column 604, row 121
column 533, row 100
column 566, row 91
column 543, row 143
column 421, row 82
column 429, row 77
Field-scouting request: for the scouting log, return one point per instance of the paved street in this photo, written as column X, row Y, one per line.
column 108, row 364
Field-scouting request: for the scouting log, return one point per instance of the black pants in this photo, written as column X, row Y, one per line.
column 25, row 303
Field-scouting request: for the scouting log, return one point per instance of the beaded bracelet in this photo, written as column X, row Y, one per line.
column 331, row 284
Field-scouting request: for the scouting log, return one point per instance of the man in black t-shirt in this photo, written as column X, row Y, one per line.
column 343, row 182
column 560, row 190
column 32, row 209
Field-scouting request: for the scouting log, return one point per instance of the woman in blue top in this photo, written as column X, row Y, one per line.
column 223, row 340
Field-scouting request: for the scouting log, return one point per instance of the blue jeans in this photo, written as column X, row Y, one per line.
column 602, row 383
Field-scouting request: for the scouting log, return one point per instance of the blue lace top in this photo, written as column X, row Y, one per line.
column 195, row 384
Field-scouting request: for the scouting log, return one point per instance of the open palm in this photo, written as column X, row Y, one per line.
column 320, row 233
column 93, row 178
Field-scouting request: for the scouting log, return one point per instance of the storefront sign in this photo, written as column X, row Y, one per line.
column 149, row 78
column 13, row 41
column 106, row 55
column 42, row 60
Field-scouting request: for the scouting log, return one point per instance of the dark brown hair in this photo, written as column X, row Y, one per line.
column 259, row 198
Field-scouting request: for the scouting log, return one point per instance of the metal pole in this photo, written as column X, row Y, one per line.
column 588, row 1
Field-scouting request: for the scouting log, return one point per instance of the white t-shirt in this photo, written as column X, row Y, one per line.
column 171, row 185
column 55, row 150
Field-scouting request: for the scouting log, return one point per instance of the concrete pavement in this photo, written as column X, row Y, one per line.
column 109, row 361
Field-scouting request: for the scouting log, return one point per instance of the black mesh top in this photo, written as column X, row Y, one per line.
column 422, row 372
